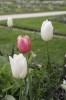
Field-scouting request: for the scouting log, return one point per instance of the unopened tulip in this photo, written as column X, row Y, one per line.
column 64, row 84
column 23, row 44
column 10, row 22
column 18, row 66
column 64, row 81
column 46, row 30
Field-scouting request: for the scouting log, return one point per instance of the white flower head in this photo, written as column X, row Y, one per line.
column 64, row 81
column 18, row 66
column 64, row 84
column 65, row 55
column 65, row 65
column 10, row 22
column 46, row 30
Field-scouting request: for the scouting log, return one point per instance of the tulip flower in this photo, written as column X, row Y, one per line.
column 64, row 84
column 46, row 30
column 64, row 81
column 23, row 44
column 10, row 22
column 18, row 66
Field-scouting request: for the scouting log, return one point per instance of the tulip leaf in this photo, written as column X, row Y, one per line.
column 14, row 88
column 9, row 97
column 7, row 87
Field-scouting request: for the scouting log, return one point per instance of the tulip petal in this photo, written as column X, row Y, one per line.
column 15, row 56
column 13, row 67
column 24, row 70
column 22, row 63
column 12, row 63
column 43, row 24
column 18, row 58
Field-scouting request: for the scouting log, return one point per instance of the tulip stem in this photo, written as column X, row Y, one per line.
column 30, row 92
column 48, row 52
column 38, row 90
column 20, row 95
column 48, row 62
column 29, row 79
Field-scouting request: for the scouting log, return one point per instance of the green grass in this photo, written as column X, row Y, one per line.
column 57, row 46
column 35, row 24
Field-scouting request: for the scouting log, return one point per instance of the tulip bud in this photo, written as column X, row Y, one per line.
column 10, row 22
column 18, row 66
column 64, row 85
column 23, row 44
column 64, row 81
column 46, row 30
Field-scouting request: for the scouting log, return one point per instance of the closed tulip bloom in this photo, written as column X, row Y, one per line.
column 23, row 44
column 10, row 22
column 46, row 30
column 18, row 66
column 64, row 84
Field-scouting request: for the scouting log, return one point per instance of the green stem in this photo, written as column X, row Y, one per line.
column 48, row 53
column 20, row 95
column 29, row 82
column 29, row 79
column 48, row 57
column 38, row 91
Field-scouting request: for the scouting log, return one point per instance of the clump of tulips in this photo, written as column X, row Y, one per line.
column 33, row 81
column 18, row 63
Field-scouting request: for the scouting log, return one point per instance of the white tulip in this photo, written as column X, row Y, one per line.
column 65, row 55
column 64, row 84
column 18, row 66
column 10, row 22
column 46, row 30
column 64, row 81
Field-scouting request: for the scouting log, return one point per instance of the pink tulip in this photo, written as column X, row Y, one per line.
column 23, row 44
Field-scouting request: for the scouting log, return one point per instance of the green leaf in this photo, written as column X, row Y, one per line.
column 9, row 97
column 7, row 88
column 15, row 87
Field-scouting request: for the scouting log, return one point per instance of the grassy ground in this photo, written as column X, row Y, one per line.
column 57, row 47
column 35, row 24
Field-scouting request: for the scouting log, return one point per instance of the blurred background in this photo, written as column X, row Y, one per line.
column 28, row 6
